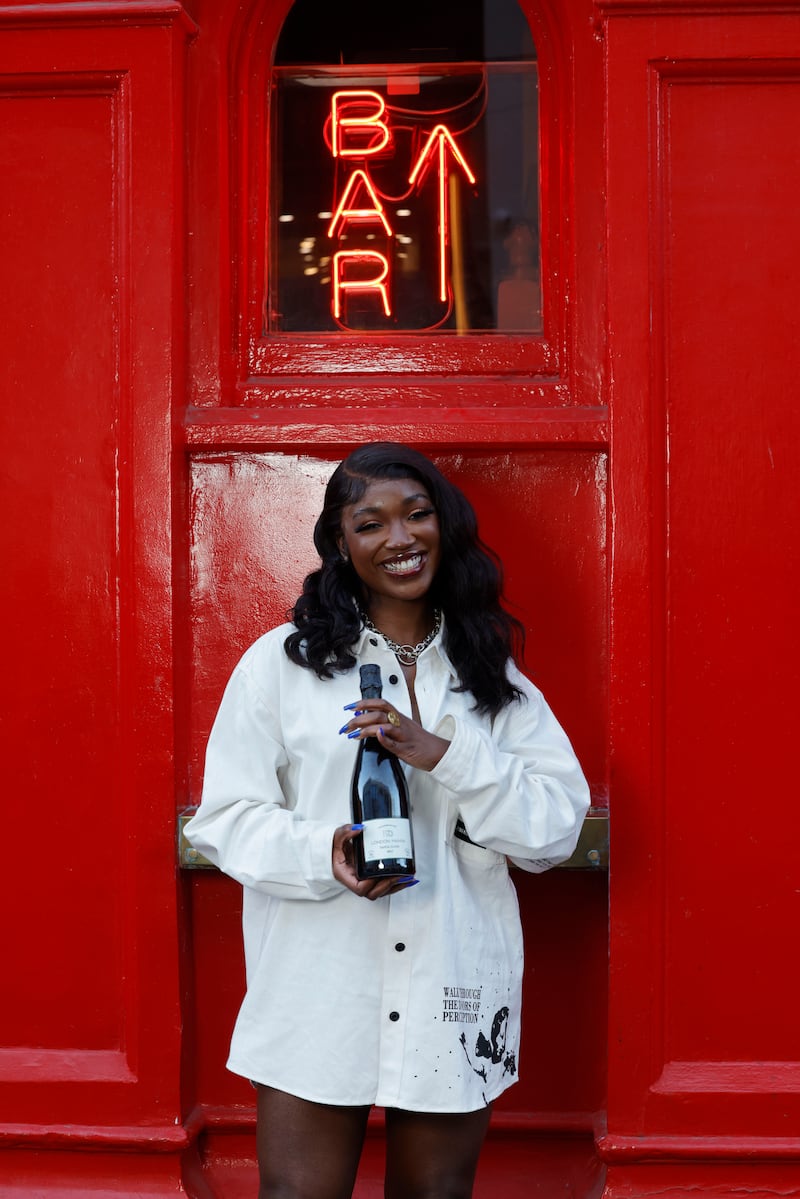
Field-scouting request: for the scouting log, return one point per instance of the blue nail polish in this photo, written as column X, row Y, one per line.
column 356, row 827
column 349, row 707
column 355, row 733
column 411, row 883
column 344, row 727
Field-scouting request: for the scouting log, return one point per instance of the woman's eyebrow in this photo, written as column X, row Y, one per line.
column 410, row 499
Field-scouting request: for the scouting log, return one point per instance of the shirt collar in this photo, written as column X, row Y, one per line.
column 436, row 646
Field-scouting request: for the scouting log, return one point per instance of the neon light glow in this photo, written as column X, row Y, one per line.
column 439, row 141
column 360, row 127
column 431, row 168
column 342, row 285
column 358, row 179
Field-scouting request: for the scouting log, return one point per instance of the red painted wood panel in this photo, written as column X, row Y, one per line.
column 731, row 245
column 544, row 512
column 90, row 999
column 61, row 537
column 703, row 254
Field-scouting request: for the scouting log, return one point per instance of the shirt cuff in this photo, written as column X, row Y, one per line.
column 451, row 768
column 320, row 852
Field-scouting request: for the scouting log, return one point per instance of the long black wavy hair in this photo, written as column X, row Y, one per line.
column 479, row 635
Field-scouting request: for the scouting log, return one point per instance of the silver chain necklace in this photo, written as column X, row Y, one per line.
column 407, row 654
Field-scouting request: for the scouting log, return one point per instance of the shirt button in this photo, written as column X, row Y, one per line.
column 399, row 946
column 393, row 678
column 373, row 641
column 394, row 1015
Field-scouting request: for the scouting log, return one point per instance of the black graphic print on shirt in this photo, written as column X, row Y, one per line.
column 485, row 1048
column 492, row 1048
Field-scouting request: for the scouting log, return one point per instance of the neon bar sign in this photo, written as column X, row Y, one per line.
column 360, row 130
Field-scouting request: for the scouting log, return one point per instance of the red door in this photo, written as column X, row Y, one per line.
column 703, row 253
column 505, row 411
column 92, row 352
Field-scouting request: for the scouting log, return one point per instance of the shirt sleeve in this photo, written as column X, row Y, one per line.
column 519, row 788
column 243, row 824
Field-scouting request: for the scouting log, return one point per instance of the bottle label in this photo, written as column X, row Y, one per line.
column 386, row 839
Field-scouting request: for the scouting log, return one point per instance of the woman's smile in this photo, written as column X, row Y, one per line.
column 406, row 564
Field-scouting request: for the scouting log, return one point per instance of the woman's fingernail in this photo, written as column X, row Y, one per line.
column 355, row 733
column 412, row 882
column 349, row 707
column 356, row 827
column 345, row 727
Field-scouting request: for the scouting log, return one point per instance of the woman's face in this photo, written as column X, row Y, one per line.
column 392, row 537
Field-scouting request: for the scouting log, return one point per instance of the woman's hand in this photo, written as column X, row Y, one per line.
column 344, row 868
column 407, row 739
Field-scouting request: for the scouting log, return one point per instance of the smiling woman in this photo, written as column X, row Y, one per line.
column 410, row 1001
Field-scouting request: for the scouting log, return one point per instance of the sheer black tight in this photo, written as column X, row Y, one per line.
column 311, row 1150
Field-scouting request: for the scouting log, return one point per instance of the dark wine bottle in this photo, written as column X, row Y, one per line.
column 379, row 800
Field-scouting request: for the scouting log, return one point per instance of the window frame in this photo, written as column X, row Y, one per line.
column 265, row 359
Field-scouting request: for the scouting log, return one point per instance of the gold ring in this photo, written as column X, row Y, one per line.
column 393, row 719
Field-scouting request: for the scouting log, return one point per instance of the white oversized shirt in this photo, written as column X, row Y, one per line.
column 412, row 1000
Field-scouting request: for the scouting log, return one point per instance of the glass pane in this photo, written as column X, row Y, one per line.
column 405, row 198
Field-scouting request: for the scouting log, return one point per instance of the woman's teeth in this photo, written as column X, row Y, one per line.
column 403, row 566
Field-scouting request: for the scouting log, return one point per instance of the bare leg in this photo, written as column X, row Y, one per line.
column 433, row 1156
column 307, row 1150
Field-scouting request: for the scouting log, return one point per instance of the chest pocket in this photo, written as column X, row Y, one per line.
column 467, row 851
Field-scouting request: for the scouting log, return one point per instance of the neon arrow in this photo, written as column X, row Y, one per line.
column 439, row 139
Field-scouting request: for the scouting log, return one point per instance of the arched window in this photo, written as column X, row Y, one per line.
column 404, row 189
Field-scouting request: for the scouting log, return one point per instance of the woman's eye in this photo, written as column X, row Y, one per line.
column 422, row 513
column 369, row 527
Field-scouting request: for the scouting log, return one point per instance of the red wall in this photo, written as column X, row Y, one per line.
column 162, row 464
